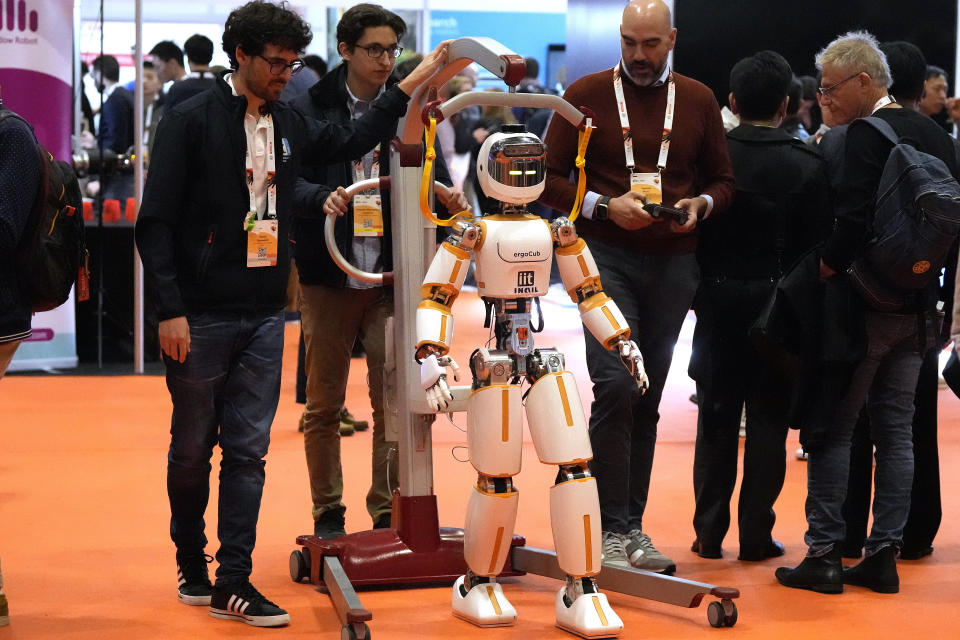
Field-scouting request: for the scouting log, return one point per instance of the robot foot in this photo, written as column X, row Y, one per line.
column 583, row 611
column 483, row 604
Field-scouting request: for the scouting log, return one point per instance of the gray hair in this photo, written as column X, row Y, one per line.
column 857, row 51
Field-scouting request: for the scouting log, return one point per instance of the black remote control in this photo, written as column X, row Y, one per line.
column 680, row 216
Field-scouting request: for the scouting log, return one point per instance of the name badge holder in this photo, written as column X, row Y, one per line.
column 650, row 184
column 263, row 235
column 368, row 207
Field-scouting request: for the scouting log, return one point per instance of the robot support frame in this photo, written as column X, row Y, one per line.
column 417, row 549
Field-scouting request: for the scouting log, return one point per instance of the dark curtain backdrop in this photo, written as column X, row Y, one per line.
column 713, row 35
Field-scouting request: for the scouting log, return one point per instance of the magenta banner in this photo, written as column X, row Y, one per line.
column 36, row 60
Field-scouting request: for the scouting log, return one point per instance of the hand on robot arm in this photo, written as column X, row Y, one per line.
column 336, row 202
column 627, row 211
column 433, row 379
column 455, row 201
column 632, row 359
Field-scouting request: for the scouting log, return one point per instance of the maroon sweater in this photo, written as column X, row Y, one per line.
column 697, row 164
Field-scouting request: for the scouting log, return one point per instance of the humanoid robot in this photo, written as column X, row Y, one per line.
column 513, row 250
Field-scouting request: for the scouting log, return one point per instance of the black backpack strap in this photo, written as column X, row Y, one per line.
column 883, row 127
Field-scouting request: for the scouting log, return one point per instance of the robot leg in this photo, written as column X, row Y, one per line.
column 494, row 439
column 559, row 432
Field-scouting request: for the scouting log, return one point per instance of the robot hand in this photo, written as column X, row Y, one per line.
column 433, row 378
column 632, row 359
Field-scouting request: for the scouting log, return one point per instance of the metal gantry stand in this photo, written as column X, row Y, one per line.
column 417, row 549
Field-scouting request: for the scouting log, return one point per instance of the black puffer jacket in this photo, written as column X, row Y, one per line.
column 190, row 230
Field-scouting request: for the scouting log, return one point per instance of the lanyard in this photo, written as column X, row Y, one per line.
column 882, row 102
column 625, row 121
column 271, row 183
column 358, row 173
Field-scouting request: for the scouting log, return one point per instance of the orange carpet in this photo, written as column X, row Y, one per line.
column 84, row 517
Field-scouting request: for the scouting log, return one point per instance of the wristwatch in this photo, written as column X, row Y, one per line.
column 601, row 211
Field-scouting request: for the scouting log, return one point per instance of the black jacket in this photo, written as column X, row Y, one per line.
column 327, row 100
column 781, row 208
column 187, row 88
column 190, row 230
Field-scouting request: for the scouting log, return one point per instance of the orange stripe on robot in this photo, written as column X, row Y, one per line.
column 587, row 531
column 583, row 266
column 443, row 328
column 493, row 600
column 596, row 605
column 566, row 402
column 496, row 551
column 456, row 271
column 613, row 321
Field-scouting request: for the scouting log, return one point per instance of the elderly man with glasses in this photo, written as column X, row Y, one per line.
column 854, row 85
column 212, row 233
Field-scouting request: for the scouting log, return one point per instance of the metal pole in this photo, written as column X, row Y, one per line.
column 138, row 192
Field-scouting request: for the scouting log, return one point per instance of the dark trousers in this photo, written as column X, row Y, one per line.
column 654, row 294
column 923, row 521
column 225, row 393
column 730, row 376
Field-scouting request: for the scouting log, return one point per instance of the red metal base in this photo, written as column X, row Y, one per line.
column 416, row 550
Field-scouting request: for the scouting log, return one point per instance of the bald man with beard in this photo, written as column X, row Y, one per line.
column 647, row 264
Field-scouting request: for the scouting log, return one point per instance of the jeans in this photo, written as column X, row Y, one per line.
column 654, row 293
column 886, row 380
column 332, row 319
column 925, row 506
column 226, row 393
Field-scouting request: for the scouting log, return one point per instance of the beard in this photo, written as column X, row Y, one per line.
column 644, row 73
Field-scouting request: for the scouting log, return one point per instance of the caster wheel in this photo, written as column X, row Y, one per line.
column 715, row 614
column 299, row 566
column 722, row 614
column 347, row 632
column 730, row 613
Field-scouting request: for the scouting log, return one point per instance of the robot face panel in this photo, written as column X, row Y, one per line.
column 511, row 167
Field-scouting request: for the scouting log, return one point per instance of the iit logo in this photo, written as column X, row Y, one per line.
column 15, row 14
column 525, row 279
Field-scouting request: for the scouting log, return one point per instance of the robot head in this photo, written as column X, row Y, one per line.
column 511, row 166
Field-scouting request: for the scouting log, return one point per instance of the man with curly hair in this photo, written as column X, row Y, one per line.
column 217, row 202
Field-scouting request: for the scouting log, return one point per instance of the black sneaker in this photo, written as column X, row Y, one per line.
column 242, row 602
column 330, row 524
column 193, row 581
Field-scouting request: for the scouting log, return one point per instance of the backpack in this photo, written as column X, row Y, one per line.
column 52, row 254
column 916, row 220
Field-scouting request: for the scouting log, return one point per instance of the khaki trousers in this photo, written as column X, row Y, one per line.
column 331, row 320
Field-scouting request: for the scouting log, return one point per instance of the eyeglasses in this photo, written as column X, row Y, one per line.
column 277, row 67
column 376, row 51
column 826, row 91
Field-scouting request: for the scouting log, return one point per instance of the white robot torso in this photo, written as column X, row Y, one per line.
column 513, row 257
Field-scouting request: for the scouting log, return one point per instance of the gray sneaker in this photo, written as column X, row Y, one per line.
column 643, row 555
column 614, row 553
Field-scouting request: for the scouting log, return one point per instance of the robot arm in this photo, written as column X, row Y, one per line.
column 599, row 312
column 440, row 288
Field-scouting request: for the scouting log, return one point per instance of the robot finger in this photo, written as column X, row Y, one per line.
column 443, row 391
column 432, row 399
column 448, row 361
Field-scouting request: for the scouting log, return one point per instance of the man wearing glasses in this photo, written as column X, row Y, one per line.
column 336, row 309
column 218, row 200
column 855, row 78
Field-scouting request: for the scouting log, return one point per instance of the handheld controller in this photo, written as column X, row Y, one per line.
column 680, row 216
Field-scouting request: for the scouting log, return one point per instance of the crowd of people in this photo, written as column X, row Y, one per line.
column 780, row 187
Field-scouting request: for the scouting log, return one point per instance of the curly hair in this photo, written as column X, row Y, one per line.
column 258, row 23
